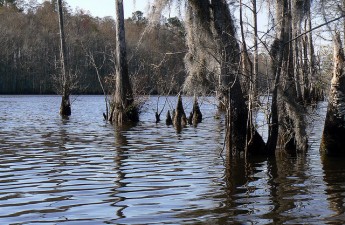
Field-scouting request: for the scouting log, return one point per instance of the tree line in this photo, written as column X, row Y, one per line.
column 30, row 50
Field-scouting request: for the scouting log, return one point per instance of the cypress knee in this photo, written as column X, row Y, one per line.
column 197, row 116
column 168, row 120
column 179, row 117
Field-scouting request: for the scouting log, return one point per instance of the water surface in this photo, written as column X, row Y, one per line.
column 82, row 170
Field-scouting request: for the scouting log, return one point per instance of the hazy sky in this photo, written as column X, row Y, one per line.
column 102, row 8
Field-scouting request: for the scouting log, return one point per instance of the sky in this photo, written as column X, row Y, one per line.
column 102, row 8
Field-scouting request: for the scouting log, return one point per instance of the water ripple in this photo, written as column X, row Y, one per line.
column 83, row 171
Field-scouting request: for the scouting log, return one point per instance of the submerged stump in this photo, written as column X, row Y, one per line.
column 333, row 138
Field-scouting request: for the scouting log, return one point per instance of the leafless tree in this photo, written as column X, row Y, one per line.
column 123, row 107
column 65, row 108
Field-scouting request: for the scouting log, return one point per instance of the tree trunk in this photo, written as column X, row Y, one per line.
column 256, row 57
column 124, row 108
column 216, row 48
column 65, row 108
column 333, row 138
column 277, row 53
column 312, row 89
column 292, row 135
column 229, row 51
column 247, row 73
column 343, row 19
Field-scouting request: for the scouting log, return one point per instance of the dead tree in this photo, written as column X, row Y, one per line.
column 333, row 138
column 65, row 108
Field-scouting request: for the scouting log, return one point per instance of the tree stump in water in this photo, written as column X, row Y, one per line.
column 333, row 138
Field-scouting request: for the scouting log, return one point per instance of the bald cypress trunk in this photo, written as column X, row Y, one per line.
column 256, row 54
column 230, row 87
column 216, row 49
column 124, row 109
column 65, row 108
column 290, row 113
column 313, row 92
column 333, row 139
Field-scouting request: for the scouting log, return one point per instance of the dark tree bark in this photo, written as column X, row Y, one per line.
column 256, row 55
column 333, row 139
column 124, row 108
column 313, row 92
column 65, row 108
column 230, row 87
column 168, row 120
column 195, row 116
column 292, row 135
column 217, row 41
column 179, row 117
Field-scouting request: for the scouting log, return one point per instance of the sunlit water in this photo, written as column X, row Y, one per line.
column 84, row 171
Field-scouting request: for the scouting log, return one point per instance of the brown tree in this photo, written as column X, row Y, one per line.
column 65, row 108
column 333, row 138
column 287, row 115
column 123, row 107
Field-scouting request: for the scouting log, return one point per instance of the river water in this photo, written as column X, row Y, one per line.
column 82, row 170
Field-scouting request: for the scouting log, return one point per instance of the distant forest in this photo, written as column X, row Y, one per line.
column 29, row 40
